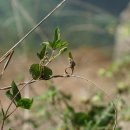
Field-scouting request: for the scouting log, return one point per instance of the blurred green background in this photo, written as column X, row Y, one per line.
column 82, row 22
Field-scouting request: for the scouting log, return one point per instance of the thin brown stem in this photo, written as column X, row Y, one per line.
column 7, row 63
column 2, row 126
column 52, row 57
column 1, row 108
column 9, row 87
column 3, row 58
column 12, row 112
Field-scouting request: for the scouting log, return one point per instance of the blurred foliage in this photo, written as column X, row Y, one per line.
column 119, row 72
column 56, row 106
column 113, row 8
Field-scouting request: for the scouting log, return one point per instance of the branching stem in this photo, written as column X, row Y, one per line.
column 20, row 84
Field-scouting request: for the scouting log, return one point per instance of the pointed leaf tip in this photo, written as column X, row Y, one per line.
column 15, row 91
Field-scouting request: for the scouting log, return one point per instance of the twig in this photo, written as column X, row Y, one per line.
column 7, row 63
column 12, row 112
column 1, row 108
column 2, row 126
column 6, row 115
column 26, row 35
column 9, row 87
column 4, row 57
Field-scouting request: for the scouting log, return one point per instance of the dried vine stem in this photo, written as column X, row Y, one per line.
column 9, row 87
column 6, row 63
column 32, row 30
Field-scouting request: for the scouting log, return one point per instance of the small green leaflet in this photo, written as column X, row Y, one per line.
column 25, row 103
column 57, row 43
column 80, row 119
column 15, row 91
column 57, row 35
column 35, row 71
column 9, row 95
column 38, row 72
column 42, row 53
column 46, row 73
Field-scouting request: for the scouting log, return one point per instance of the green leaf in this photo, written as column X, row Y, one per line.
column 108, row 116
column 57, row 43
column 46, row 73
column 80, row 119
column 9, row 95
column 10, row 129
column 38, row 72
column 15, row 91
column 43, row 52
column 25, row 103
column 35, row 71
column 57, row 35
